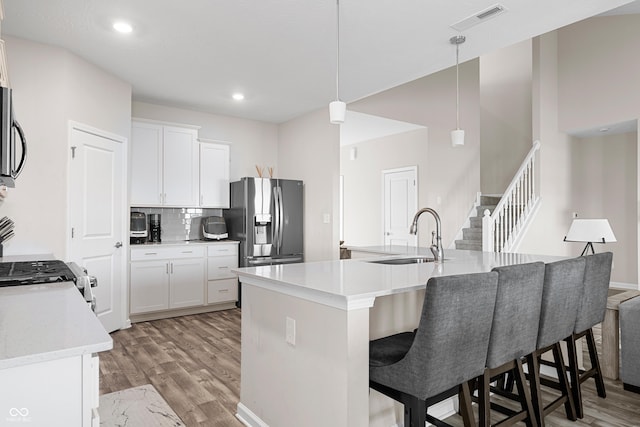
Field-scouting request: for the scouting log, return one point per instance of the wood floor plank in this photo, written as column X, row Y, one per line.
column 194, row 363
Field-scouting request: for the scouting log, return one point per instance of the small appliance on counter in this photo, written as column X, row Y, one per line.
column 214, row 228
column 154, row 227
column 138, row 229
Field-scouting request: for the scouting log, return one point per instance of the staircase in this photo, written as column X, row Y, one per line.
column 472, row 236
column 499, row 223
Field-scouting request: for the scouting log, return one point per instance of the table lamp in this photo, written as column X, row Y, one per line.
column 590, row 231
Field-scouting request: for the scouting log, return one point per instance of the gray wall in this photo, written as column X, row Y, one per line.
column 52, row 86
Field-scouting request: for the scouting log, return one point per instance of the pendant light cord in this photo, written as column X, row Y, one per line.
column 337, row 50
column 457, row 88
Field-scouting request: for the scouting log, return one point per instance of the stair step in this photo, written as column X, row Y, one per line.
column 476, row 222
column 468, row 245
column 490, row 200
column 474, row 234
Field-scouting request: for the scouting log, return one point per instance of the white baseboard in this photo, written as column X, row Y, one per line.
column 248, row 418
column 621, row 285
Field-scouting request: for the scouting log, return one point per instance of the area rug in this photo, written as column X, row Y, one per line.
column 138, row 406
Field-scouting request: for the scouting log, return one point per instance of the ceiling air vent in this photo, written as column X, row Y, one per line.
column 479, row 17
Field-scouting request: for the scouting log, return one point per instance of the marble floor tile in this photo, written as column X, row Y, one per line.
column 138, row 406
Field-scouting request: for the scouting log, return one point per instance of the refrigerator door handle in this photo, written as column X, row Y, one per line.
column 281, row 219
column 275, row 234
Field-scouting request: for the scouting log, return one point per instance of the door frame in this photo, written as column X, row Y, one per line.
column 124, row 265
column 413, row 169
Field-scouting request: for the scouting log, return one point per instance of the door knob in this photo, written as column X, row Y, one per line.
column 118, row 244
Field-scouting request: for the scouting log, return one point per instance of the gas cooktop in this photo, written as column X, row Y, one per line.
column 34, row 272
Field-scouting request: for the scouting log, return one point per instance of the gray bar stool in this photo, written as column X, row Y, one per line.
column 563, row 286
column 514, row 334
column 421, row 368
column 593, row 304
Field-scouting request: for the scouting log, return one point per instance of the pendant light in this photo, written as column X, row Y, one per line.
column 337, row 108
column 457, row 135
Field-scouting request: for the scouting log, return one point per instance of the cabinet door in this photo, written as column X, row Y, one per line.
column 187, row 282
column 180, row 167
column 146, row 164
column 214, row 175
column 149, row 285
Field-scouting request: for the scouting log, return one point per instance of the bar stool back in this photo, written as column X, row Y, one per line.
column 514, row 334
column 563, row 286
column 593, row 304
column 448, row 348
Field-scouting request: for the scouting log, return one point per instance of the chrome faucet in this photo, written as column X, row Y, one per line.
column 436, row 248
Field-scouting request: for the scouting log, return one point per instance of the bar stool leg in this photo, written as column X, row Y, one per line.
column 415, row 412
column 534, row 384
column 575, row 375
column 521, row 382
column 595, row 364
column 484, row 411
column 466, row 410
column 569, row 405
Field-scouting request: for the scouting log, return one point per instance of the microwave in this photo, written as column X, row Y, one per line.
column 10, row 167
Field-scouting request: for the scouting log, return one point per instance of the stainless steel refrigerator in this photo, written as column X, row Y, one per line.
column 266, row 216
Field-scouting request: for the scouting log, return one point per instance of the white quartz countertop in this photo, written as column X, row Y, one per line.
column 46, row 322
column 355, row 283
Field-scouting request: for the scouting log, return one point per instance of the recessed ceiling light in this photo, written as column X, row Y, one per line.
column 122, row 27
column 238, row 96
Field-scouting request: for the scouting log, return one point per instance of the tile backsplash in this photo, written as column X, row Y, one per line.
column 179, row 224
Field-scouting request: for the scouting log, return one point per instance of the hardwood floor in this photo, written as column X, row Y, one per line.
column 194, row 362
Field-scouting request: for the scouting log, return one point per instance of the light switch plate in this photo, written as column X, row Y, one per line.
column 291, row 331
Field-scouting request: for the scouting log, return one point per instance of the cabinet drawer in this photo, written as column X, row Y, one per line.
column 220, row 267
column 222, row 290
column 222, row 249
column 166, row 252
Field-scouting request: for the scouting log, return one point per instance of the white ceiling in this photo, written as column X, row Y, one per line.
column 279, row 53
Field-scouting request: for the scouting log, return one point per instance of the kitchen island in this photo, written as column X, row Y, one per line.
column 49, row 340
column 306, row 331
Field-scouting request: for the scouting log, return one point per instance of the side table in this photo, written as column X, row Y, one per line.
column 610, row 363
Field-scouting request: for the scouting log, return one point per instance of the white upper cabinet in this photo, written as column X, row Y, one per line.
column 214, row 175
column 146, row 164
column 164, row 165
column 180, row 177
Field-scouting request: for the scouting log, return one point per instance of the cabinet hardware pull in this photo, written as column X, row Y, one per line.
column 187, row 252
column 167, row 265
column 226, row 266
column 223, row 290
column 151, row 253
column 171, row 268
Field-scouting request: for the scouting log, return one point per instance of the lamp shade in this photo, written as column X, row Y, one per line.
column 590, row 230
column 337, row 112
column 457, row 138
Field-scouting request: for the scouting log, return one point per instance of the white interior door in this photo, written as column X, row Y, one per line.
column 97, row 215
column 400, row 205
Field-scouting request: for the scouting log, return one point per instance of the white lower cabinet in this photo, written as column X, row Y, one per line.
column 61, row 392
column 164, row 278
column 222, row 285
column 186, row 285
column 149, row 286
column 170, row 278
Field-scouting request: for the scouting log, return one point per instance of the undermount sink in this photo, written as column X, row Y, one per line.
column 402, row 261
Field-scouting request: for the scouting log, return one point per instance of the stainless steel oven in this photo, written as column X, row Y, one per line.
column 49, row 271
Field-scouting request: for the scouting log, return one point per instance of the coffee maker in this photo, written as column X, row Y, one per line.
column 154, row 228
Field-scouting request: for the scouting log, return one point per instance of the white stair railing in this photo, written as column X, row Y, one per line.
column 501, row 228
